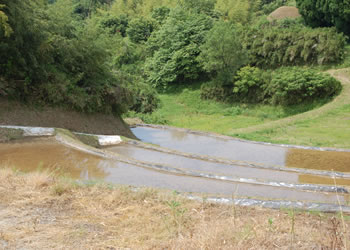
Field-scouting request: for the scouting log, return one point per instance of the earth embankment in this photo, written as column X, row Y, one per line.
column 14, row 113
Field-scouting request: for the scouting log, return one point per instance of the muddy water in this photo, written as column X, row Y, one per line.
column 29, row 155
column 244, row 151
column 321, row 160
column 312, row 179
column 47, row 153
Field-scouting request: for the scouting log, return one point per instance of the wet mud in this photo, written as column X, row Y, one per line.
column 321, row 160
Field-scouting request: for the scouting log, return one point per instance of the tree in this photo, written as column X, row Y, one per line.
column 222, row 53
column 53, row 59
column 4, row 25
column 238, row 11
column 175, row 47
column 321, row 13
column 140, row 29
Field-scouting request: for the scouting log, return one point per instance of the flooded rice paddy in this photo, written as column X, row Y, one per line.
column 196, row 175
column 245, row 151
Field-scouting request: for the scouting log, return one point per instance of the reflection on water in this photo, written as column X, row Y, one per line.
column 202, row 166
column 178, row 161
column 178, row 135
column 245, row 151
column 47, row 153
column 322, row 160
column 217, row 147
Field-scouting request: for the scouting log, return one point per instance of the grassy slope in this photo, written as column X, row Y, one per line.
column 186, row 109
column 327, row 125
column 40, row 211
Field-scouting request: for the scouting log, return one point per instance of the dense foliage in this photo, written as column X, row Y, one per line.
column 297, row 85
column 285, row 86
column 175, row 47
column 5, row 27
column 113, row 55
column 222, row 53
column 320, row 13
column 283, row 44
column 249, row 84
column 51, row 58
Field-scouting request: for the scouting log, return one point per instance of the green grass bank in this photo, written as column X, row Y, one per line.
column 325, row 124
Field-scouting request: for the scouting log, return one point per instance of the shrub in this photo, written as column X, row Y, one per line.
column 218, row 92
column 140, row 30
column 160, row 14
column 148, row 118
column 293, row 85
column 145, row 98
column 286, row 86
column 249, row 84
column 115, row 25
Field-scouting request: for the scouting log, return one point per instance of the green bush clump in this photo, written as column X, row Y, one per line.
column 272, row 46
column 293, row 85
column 215, row 91
column 286, row 86
column 145, row 98
column 140, row 29
column 148, row 118
column 249, row 84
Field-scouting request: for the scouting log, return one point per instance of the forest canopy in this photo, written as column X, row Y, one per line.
column 112, row 56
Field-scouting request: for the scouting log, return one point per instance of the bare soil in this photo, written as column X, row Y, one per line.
column 284, row 12
column 14, row 113
column 41, row 211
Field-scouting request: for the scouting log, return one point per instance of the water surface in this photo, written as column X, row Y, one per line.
column 244, row 151
column 47, row 153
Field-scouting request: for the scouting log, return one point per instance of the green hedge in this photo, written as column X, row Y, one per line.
column 286, row 86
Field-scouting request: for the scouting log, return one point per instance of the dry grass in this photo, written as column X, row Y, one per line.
column 284, row 12
column 40, row 211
